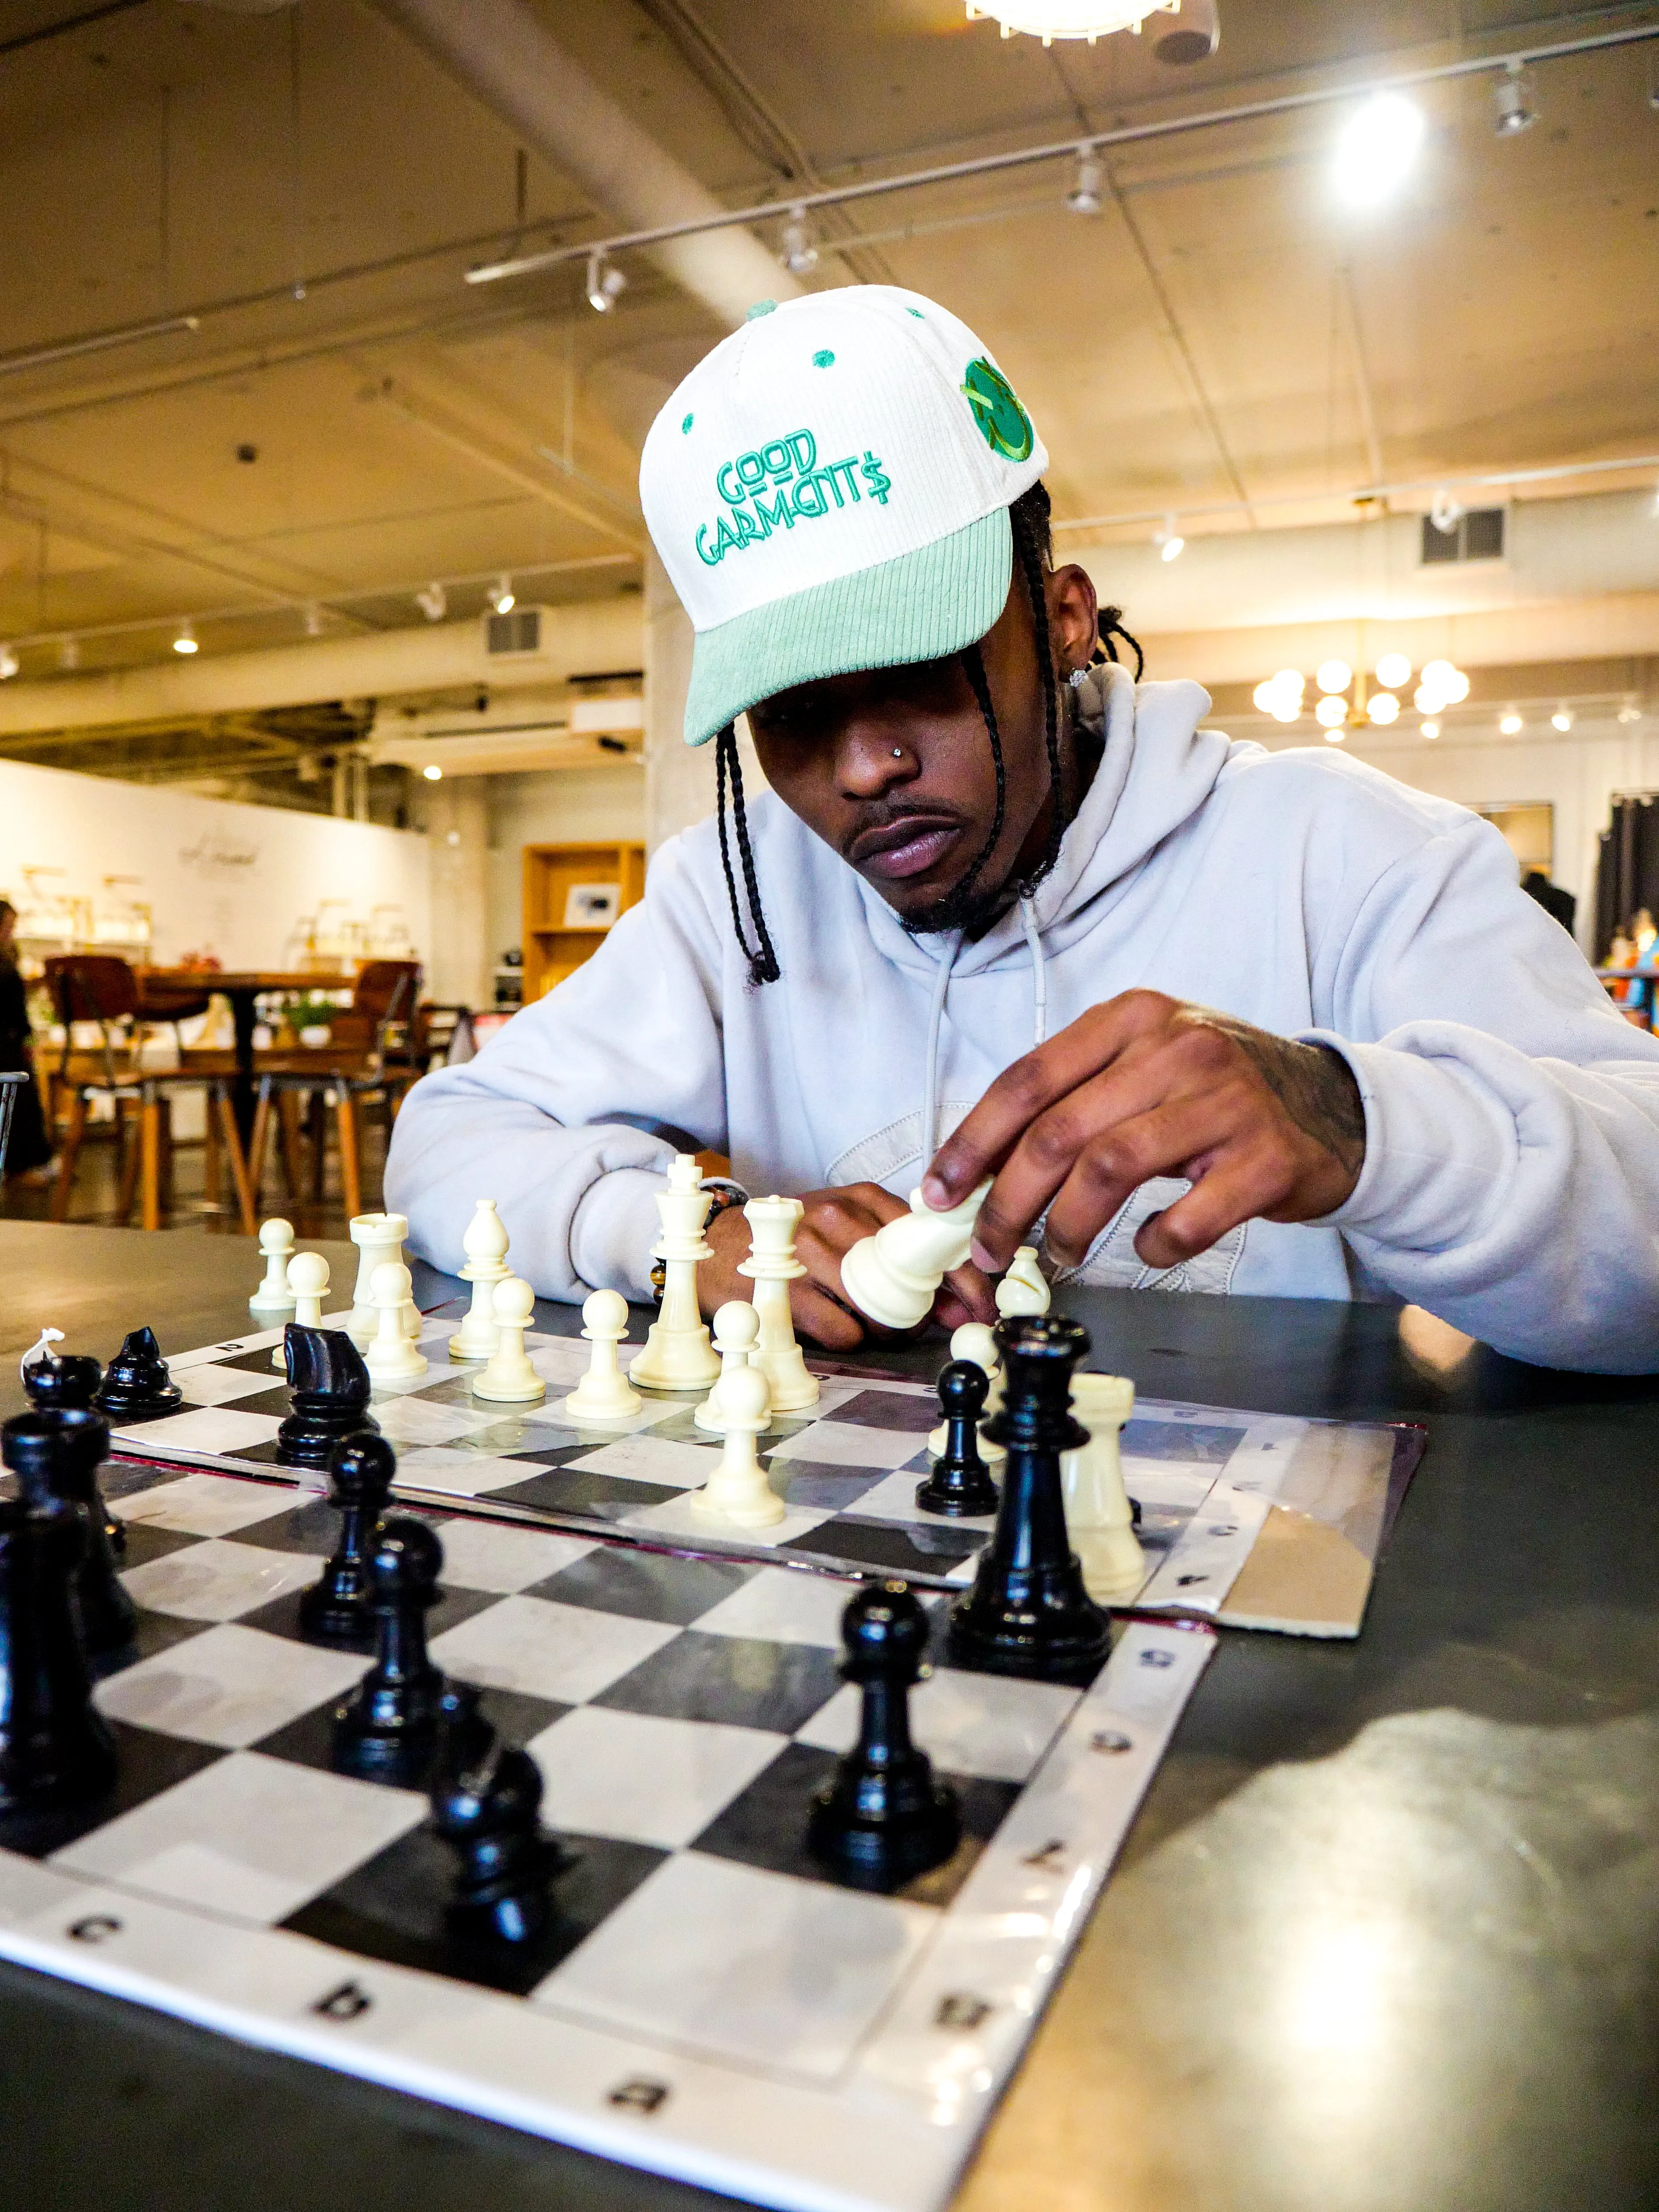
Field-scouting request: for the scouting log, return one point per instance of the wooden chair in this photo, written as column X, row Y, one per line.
column 354, row 1068
column 97, row 988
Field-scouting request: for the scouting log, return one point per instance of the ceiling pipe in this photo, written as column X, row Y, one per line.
column 502, row 51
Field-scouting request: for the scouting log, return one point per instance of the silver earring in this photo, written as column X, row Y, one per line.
column 1078, row 678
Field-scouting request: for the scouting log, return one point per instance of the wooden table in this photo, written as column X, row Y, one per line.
column 1386, row 1935
column 242, row 986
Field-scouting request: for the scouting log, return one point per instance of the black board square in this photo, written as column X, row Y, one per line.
column 747, row 1681
column 125, row 1478
column 645, row 1585
column 901, row 1547
column 145, row 1541
column 890, row 1409
column 568, row 1490
column 147, row 1764
column 277, row 1400
column 309, row 1741
column 392, row 1908
column 811, row 1484
column 765, row 1825
column 152, row 1632
column 282, row 1616
column 311, row 1528
column 253, row 1363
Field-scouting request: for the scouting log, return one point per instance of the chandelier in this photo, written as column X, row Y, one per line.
column 1049, row 19
column 1347, row 700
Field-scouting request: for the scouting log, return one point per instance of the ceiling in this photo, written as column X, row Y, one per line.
column 349, row 418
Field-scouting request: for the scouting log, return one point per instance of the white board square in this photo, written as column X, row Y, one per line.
column 676, row 1466
column 895, row 1499
column 482, row 1555
column 847, row 1443
column 735, row 1963
column 416, row 1420
column 217, row 1580
column 219, row 1385
column 460, row 1474
column 984, row 1725
column 645, row 1779
column 207, row 1429
column 248, row 1836
column 207, row 1505
column 564, row 1652
column 779, row 1605
column 674, row 1518
column 229, row 1686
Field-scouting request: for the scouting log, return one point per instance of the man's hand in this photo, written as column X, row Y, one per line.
column 1147, row 1085
column 835, row 1220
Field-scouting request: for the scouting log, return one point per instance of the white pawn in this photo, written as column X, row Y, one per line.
column 893, row 1276
column 1024, row 1288
column 772, row 1267
column 485, row 1246
column 509, row 1377
column 307, row 1278
column 738, row 1495
column 977, row 1341
column 602, row 1395
column 276, row 1245
column 1099, row 1517
column 737, row 1328
column 678, row 1355
column 391, row 1357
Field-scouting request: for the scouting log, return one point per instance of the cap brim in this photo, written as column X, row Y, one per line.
column 918, row 607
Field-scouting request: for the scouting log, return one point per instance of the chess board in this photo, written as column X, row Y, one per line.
column 707, row 2002
column 1251, row 1520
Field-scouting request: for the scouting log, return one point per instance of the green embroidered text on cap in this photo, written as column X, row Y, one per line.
column 800, row 489
column 1006, row 425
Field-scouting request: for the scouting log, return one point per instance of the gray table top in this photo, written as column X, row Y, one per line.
column 1386, row 1935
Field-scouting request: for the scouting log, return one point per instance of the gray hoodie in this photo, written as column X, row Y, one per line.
column 1511, row 1176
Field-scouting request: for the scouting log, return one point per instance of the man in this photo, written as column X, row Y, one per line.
column 1215, row 1020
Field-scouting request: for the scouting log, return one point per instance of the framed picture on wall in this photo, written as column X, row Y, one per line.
column 591, row 906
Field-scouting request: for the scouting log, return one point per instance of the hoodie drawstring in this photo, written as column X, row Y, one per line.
column 935, row 1015
column 1039, row 973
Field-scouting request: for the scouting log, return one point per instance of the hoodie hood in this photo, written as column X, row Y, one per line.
column 1157, row 769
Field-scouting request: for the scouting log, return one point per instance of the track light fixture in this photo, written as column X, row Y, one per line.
column 313, row 618
column 501, row 597
column 1511, row 100
column 1083, row 198
column 1445, row 512
column 1168, row 541
column 434, row 602
column 10, row 664
column 1562, row 719
column 800, row 255
column 1510, row 723
column 185, row 640
column 605, row 283
column 1377, row 148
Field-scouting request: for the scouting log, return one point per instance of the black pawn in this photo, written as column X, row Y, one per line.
column 55, row 1748
column 960, row 1484
column 56, row 1457
column 388, row 1727
column 71, row 1384
column 1028, row 1611
column 330, row 1386
column 339, row 1608
column 486, row 1805
column 136, row 1385
column 884, row 1819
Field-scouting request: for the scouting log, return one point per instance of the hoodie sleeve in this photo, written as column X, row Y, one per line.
column 1511, row 1174
column 555, row 1117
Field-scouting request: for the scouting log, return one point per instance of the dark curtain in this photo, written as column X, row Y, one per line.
column 1627, row 870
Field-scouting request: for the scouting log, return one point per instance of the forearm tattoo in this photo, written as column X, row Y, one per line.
column 1315, row 1087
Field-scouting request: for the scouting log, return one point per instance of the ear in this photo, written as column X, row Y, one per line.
column 1073, row 616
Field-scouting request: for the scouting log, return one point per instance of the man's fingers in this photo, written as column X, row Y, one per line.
column 970, row 1296
column 821, row 1319
column 1244, row 1182
column 1112, row 1166
column 1023, row 1091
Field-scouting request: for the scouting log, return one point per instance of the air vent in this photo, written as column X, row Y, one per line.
column 1476, row 536
column 513, row 636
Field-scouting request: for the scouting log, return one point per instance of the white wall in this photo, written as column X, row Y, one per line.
column 561, row 807
column 1577, row 774
column 218, row 877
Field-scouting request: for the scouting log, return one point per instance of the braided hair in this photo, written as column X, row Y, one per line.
column 1033, row 542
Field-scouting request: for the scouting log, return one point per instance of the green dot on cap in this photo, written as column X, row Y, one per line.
column 824, row 358
column 761, row 307
column 685, row 427
column 917, row 312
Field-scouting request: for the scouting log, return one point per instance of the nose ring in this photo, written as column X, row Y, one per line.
column 898, row 752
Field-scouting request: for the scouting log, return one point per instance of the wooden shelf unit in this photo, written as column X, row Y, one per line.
column 550, row 951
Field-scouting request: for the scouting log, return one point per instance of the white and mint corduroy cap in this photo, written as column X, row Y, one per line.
column 828, row 491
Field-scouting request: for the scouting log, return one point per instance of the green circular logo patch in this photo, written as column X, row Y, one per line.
column 1005, row 425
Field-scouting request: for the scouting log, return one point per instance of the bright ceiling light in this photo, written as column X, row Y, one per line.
column 1168, row 541
column 432, row 772
column 1510, row 724
column 1377, row 148
column 1049, row 19
column 1630, row 712
column 1512, row 102
column 800, row 255
column 1395, row 671
column 1385, row 707
column 1562, row 718
column 69, row 652
column 1430, row 729
column 1335, row 736
column 1281, row 696
column 434, row 602
column 10, row 664
column 605, row 283
column 1333, row 676
column 186, row 640
column 1331, row 713
column 1083, row 198
column 501, row 596
column 313, row 618
column 1445, row 512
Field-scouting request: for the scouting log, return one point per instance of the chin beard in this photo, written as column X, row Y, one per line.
column 965, row 908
